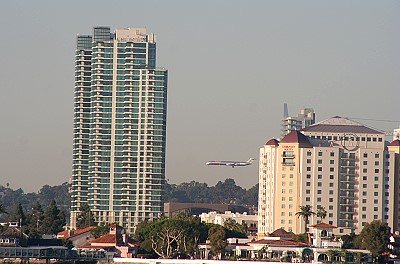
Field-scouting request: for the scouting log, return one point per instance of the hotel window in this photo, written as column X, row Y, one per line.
column 332, row 162
column 331, row 177
column 331, row 169
column 376, row 156
column 319, row 161
column 375, row 201
column 365, row 162
column 283, row 175
column 331, row 200
column 290, row 199
column 319, row 199
column 319, row 191
column 290, row 183
column 330, row 215
column 308, row 191
column 375, row 209
column 375, row 193
column 308, row 176
column 290, row 175
column 307, row 199
column 332, row 154
column 290, row 190
column 308, row 153
column 331, row 184
column 319, row 184
column 308, row 160
column 308, row 183
column 375, row 217
column 282, row 213
column 320, row 153
column 365, row 154
column 364, row 178
column 364, row 193
column 319, row 177
column 330, row 191
column 365, row 185
column 376, row 170
column 319, row 168
column 364, row 200
column 376, row 163
column 376, row 186
column 365, row 171
column 330, row 207
column 308, row 168
column 290, row 214
column 363, row 216
column 364, row 208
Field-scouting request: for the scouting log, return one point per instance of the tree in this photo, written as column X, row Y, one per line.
column 53, row 220
column 217, row 238
column 234, row 229
column 375, row 237
column 85, row 217
column 19, row 215
column 305, row 212
column 100, row 230
column 2, row 210
column 35, row 223
column 321, row 213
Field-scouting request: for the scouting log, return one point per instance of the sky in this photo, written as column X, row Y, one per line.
column 232, row 65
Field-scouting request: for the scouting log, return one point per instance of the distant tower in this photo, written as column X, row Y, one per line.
column 305, row 118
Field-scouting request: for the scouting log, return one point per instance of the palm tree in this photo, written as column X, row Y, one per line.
column 321, row 213
column 305, row 212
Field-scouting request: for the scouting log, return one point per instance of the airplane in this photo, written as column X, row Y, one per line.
column 233, row 164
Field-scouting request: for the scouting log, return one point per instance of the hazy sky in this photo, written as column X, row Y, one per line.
column 232, row 65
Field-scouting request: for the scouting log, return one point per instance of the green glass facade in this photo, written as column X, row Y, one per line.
column 119, row 127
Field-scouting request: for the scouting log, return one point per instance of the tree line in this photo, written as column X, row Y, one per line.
column 37, row 222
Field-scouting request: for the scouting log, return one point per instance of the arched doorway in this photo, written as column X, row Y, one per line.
column 323, row 257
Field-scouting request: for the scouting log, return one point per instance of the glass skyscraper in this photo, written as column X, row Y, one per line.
column 120, row 110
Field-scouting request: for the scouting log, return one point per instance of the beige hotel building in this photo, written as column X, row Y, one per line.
column 339, row 164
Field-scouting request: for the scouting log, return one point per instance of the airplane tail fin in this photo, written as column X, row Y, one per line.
column 251, row 160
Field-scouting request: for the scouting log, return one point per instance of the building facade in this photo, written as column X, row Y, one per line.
column 305, row 118
column 338, row 164
column 119, row 140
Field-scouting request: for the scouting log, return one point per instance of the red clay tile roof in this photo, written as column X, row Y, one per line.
column 296, row 137
column 395, row 143
column 323, row 225
column 83, row 230
column 272, row 142
column 63, row 234
column 108, row 238
column 280, row 232
column 280, row 243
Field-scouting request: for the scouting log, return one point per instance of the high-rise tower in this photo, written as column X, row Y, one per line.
column 120, row 109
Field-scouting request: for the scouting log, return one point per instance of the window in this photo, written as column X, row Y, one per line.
column 330, row 191
column 364, row 208
column 375, row 201
column 364, row 170
column 320, row 153
column 376, row 156
column 307, row 199
column 331, row 177
column 331, row 169
column 308, row 183
column 365, row 162
column 376, row 170
column 375, row 209
column 331, row 162
column 364, row 193
column 282, row 213
column 364, row 178
column 308, row 168
column 319, row 191
column 290, row 199
column 291, row 176
column 330, row 215
column 283, row 190
column 308, row 191
column 375, row 216
column 376, row 186
column 319, row 168
column 319, row 177
column 330, row 207
column 376, row 178
column 308, row 176
column 364, row 200
column 365, row 154
column 363, row 216
column 319, row 184
column 308, row 153
column 308, row 160
column 319, row 161
column 331, row 200
column 331, row 184
column 290, row 183
column 332, row 154
column 319, row 199
column 375, row 193
column 364, row 185
column 283, row 175
column 376, row 163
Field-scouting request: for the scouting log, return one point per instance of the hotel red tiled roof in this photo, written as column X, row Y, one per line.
column 296, row 137
column 280, row 232
column 395, row 143
column 272, row 142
